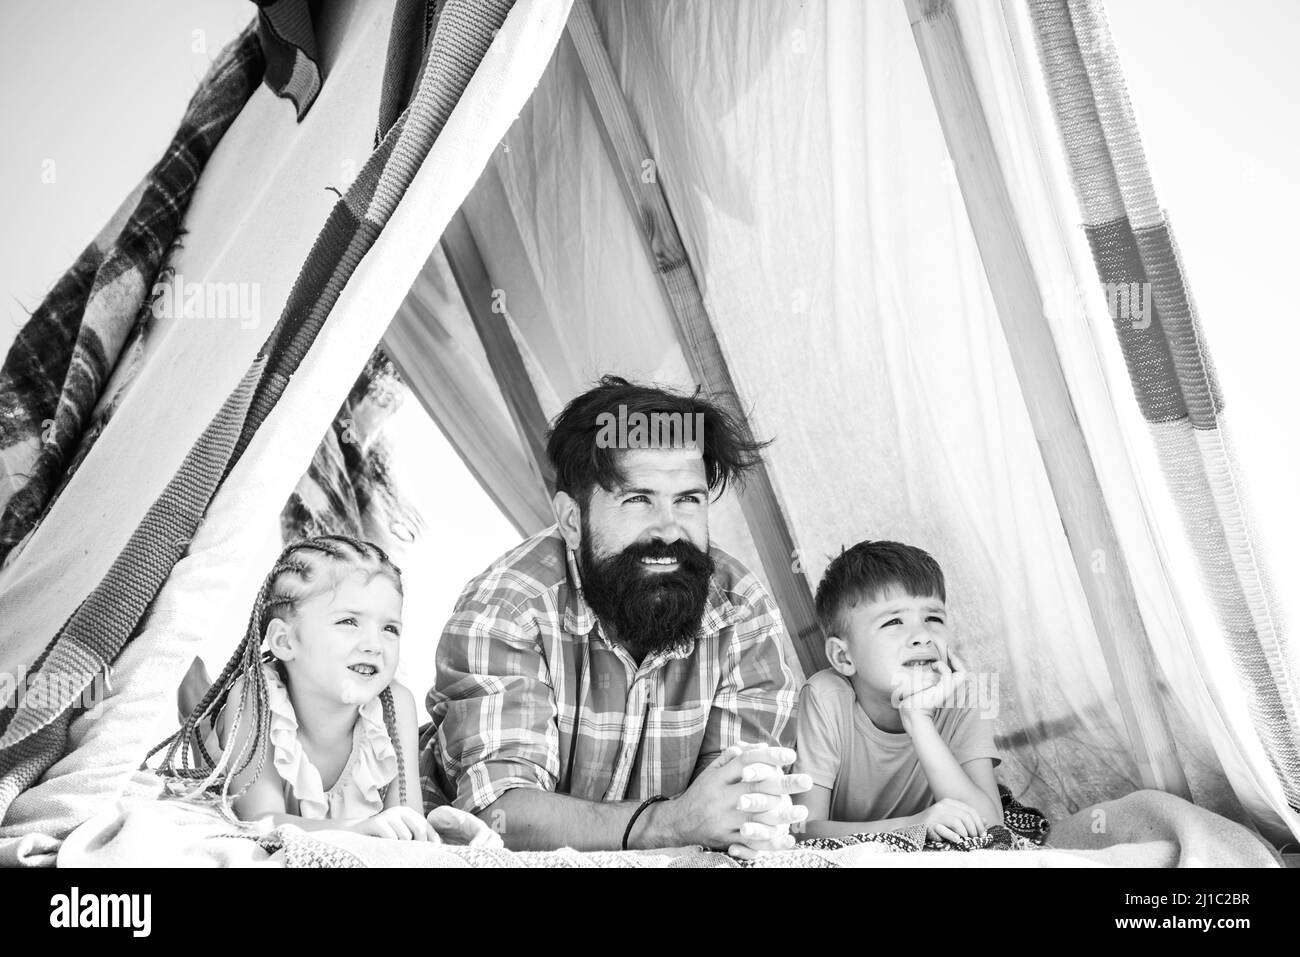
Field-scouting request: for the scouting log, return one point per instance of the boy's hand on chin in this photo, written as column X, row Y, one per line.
column 925, row 702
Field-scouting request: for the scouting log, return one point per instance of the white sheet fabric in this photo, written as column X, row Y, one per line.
column 258, row 209
column 804, row 164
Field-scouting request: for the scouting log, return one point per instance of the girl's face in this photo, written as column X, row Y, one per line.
column 343, row 644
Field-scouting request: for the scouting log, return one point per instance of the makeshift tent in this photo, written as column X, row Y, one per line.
column 862, row 219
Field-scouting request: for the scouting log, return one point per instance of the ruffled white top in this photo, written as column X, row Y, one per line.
column 372, row 764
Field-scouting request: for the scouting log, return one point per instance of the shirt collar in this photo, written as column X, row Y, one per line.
column 719, row 611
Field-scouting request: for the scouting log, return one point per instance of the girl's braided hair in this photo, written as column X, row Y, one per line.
column 304, row 569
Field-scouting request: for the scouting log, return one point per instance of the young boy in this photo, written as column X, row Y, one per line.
column 877, row 731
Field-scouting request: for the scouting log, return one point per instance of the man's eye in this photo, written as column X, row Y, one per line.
column 692, row 499
column 935, row 618
column 635, row 498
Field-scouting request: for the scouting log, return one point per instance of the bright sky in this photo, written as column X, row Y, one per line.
column 90, row 93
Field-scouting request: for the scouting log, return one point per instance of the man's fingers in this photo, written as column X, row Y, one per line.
column 789, row 814
column 758, row 772
column 783, row 784
column 727, row 756
column 752, row 831
column 779, row 842
column 756, row 803
column 766, row 754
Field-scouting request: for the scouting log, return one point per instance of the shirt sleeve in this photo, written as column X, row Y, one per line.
column 756, row 699
column 972, row 736
column 820, row 737
column 494, row 708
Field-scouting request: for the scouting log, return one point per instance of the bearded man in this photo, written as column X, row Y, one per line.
column 617, row 681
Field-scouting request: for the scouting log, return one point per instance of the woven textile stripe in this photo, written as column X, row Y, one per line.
column 1168, row 361
column 1146, row 352
column 462, row 36
column 52, row 404
column 98, row 629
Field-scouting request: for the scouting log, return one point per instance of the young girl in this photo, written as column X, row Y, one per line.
column 314, row 730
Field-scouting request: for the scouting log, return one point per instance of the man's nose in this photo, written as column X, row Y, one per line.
column 666, row 526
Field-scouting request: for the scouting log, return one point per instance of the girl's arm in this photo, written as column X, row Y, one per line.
column 408, row 732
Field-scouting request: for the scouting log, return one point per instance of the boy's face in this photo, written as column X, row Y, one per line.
column 892, row 643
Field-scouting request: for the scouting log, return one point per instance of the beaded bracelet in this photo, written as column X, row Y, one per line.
column 637, row 813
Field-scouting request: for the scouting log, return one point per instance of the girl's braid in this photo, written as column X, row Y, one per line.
column 390, row 722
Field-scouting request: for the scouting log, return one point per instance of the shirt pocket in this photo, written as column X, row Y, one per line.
column 671, row 743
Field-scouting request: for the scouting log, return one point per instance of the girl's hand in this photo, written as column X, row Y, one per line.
column 398, row 823
column 451, row 825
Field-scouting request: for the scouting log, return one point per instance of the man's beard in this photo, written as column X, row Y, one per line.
column 650, row 611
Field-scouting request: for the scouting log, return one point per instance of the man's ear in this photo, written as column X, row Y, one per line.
column 837, row 652
column 278, row 639
column 568, row 515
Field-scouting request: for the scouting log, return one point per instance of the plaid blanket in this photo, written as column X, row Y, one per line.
column 73, row 360
column 35, row 735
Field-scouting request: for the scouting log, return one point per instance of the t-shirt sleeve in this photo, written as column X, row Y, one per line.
column 971, row 736
column 819, row 735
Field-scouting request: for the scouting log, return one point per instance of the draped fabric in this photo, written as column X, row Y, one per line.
column 804, row 165
column 69, row 366
column 1172, row 376
column 803, row 161
column 103, row 624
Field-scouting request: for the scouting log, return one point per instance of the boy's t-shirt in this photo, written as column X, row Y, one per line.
column 874, row 775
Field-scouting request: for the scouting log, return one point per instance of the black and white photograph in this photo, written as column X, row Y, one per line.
column 721, row 435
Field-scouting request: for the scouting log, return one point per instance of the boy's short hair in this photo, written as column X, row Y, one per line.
column 866, row 571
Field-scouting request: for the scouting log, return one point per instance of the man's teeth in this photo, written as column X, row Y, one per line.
column 660, row 561
column 367, row 670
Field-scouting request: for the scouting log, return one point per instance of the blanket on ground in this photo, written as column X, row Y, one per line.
column 1143, row 829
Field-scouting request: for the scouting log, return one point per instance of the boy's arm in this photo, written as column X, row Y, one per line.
column 818, row 802
column 947, row 778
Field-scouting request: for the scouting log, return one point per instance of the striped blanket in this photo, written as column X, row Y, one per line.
column 1142, row 829
column 1174, row 382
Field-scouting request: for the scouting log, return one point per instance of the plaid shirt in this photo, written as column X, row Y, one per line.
column 505, row 704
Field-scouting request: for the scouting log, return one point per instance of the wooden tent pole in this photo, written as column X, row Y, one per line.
column 499, row 344
column 1070, row 468
column 629, row 153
